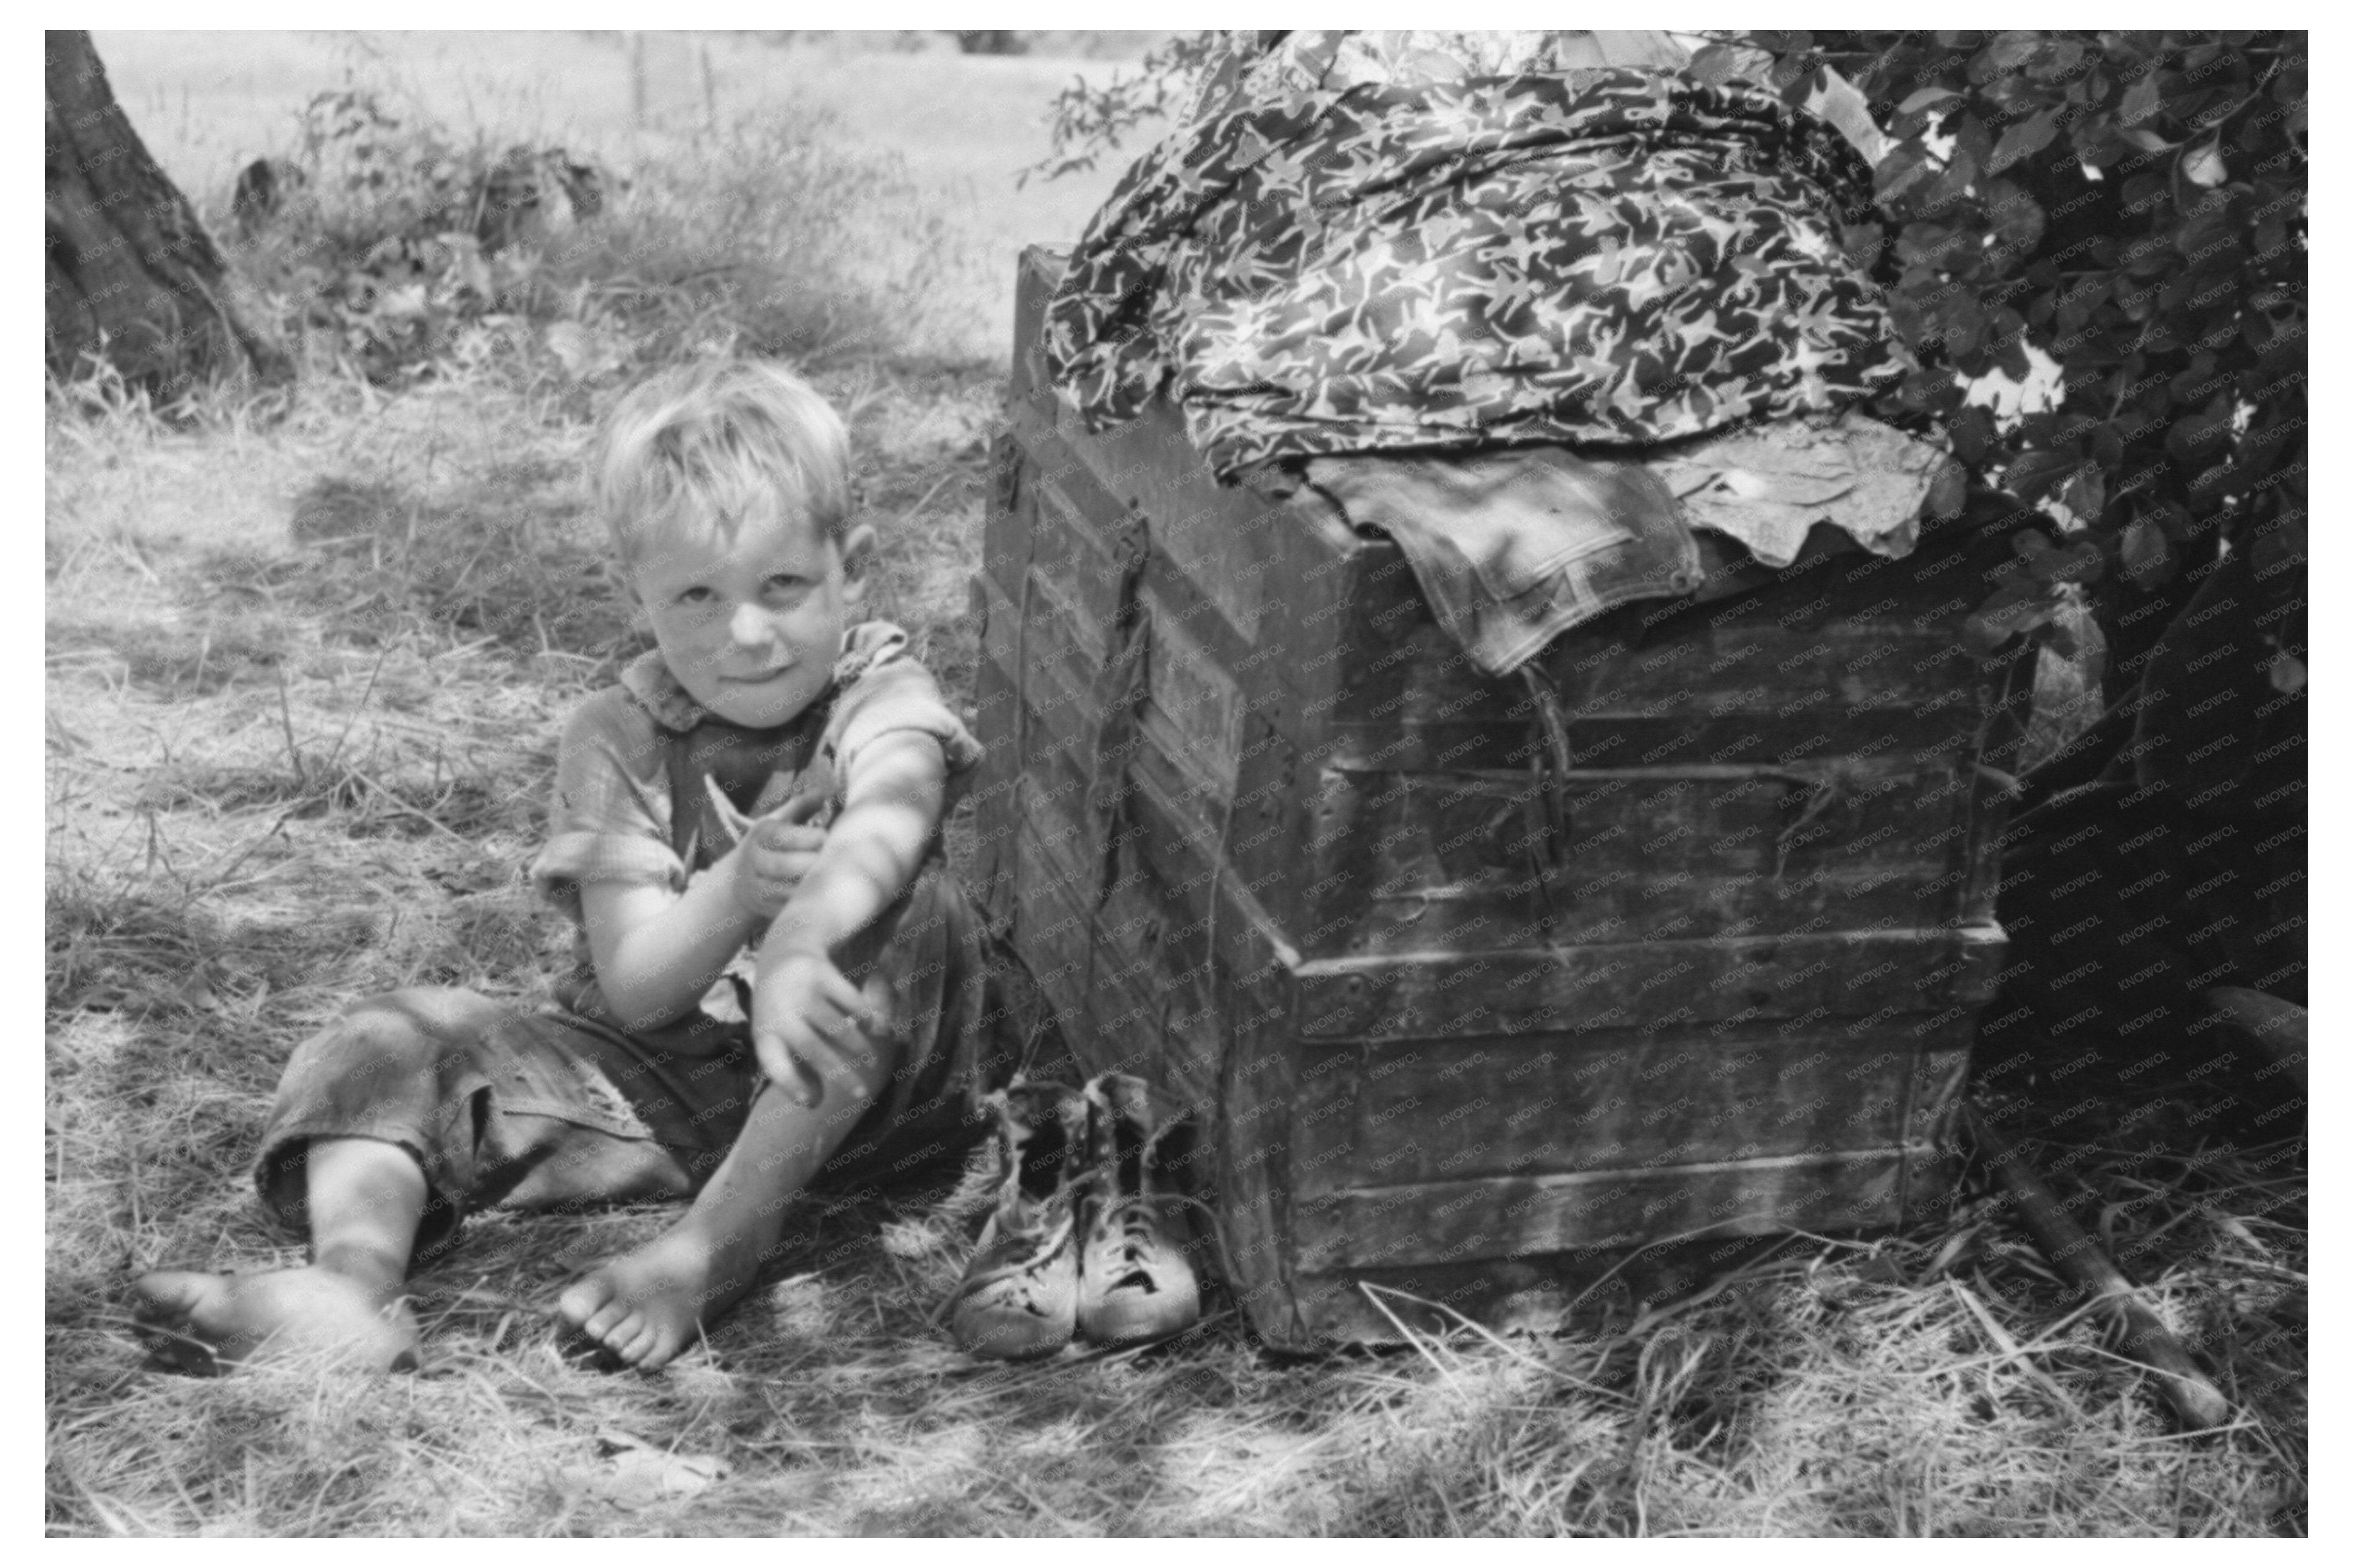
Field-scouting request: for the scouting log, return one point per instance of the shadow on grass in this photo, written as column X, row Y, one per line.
column 366, row 804
column 502, row 559
column 197, row 660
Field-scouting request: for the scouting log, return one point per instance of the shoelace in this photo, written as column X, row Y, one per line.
column 1139, row 1236
column 1138, row 1217
column 1216, row 1234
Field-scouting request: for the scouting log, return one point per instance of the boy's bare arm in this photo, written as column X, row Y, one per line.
column 657, row 952
column 815, row 1030
column 889, row 812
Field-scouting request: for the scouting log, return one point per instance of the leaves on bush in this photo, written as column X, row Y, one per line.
column 2035, row 474
column 2132, row 204
column 2149, row 559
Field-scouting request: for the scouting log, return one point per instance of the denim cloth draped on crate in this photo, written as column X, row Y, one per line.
column 1513, row 547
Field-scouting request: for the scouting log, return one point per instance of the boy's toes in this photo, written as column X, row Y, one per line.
column 165, row 1307
column 171, row 1298
column 595, row 1308
column 588, row 1313
column 638, row 1345
column 669, row 1344
column 582, row 1301
column 624, row 1325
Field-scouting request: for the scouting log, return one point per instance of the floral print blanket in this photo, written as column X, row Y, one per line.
column 1597, row 258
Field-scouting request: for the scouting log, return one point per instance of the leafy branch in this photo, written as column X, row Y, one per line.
column 1086, row 122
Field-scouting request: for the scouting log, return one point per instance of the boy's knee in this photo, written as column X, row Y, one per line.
column 440, row 1011
column 417, row 1028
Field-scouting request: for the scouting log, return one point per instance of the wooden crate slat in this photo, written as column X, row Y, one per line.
column 1412, row 673
column 1250, row 1127
column 1933, row 1097
column 1395, row 861
column 1108, row 1009
column 1147, row 975
column 1195, row 707
column 1084, row 506
column 1058, row 727
column 1417, row 1111
column 1911, row 738
column 1441, row 1222
column 1519, row 990
column 1220, row 540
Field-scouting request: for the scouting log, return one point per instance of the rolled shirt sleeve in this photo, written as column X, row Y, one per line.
column 884, row 688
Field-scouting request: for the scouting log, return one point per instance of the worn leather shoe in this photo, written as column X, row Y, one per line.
column 1134, row 1283
column 1018, row 1297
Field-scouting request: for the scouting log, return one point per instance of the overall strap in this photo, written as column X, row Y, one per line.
column 721, row 777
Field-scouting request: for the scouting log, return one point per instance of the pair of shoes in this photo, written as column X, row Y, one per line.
column 1080, row 1241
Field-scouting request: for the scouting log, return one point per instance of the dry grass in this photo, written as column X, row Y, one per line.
column 304, row 681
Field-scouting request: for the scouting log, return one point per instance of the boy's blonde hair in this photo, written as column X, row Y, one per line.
column 702, row 446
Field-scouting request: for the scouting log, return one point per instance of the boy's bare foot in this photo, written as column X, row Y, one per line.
column 201, row 1322
column 646, row 1306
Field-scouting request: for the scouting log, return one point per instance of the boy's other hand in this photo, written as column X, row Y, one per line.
column 777, row 852
column 807, row 1015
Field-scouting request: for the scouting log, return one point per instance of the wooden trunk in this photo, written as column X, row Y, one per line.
column 1467, row 1000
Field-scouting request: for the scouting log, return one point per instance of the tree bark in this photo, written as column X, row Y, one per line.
column 133, row 278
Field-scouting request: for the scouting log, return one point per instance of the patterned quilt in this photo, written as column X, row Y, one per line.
column 1599, row 257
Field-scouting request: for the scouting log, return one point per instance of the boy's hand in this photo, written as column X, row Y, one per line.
column 777, row 852
column 806, row 1012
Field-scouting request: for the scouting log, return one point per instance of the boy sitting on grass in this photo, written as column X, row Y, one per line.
column 770, row 780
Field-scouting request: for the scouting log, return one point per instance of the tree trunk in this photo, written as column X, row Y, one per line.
column 133, row 278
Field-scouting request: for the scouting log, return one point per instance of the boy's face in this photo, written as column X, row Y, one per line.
column 752, row 629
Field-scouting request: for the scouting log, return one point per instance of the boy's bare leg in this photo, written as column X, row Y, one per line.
column 646, row 1306
column 364, row 1199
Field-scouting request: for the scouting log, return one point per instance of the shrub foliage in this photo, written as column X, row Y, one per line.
column 391, row 246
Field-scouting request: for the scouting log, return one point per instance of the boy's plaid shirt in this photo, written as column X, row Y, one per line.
column 652, row 788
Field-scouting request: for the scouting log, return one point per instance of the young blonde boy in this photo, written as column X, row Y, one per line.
column 748, row 822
